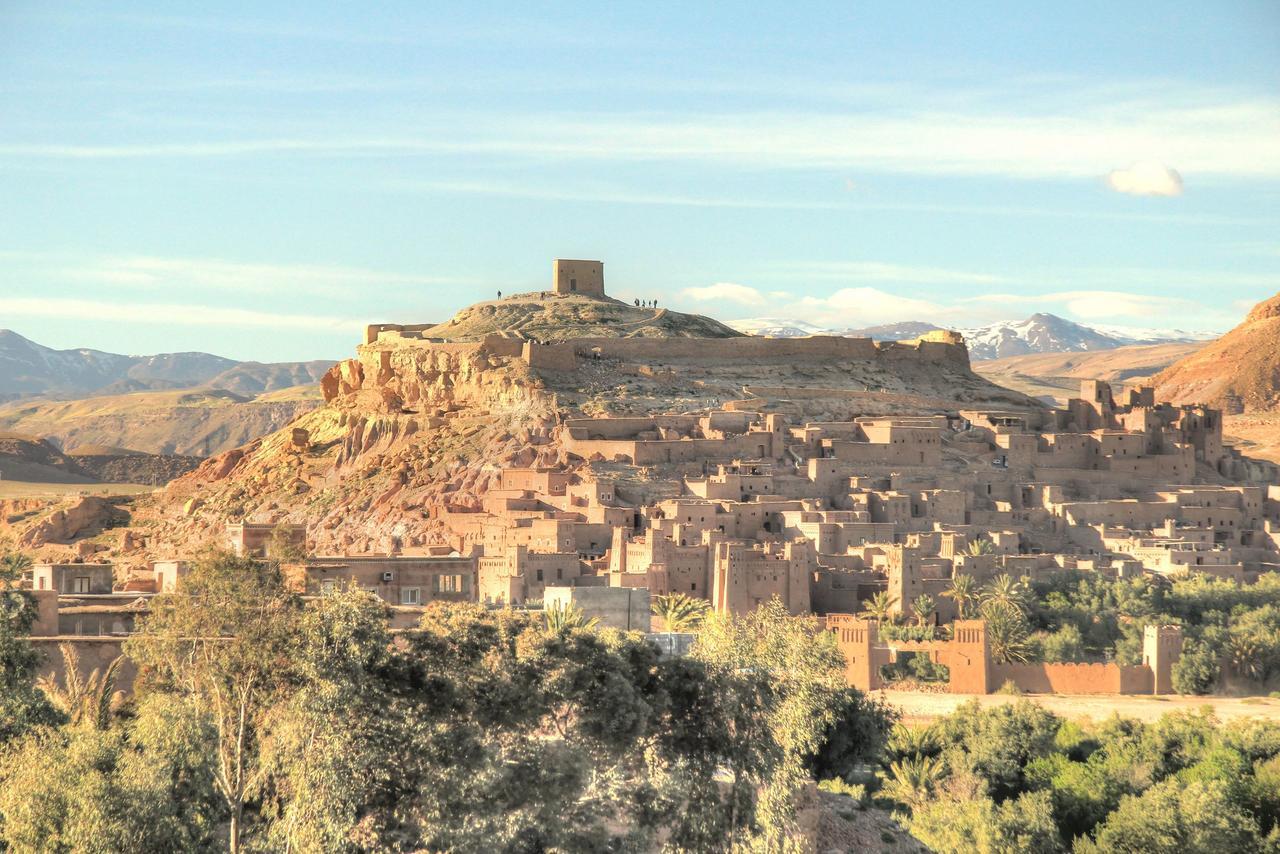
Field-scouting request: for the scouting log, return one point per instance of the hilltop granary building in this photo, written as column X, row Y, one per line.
column 585, row 278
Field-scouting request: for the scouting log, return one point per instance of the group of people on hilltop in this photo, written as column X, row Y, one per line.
column 648, row 303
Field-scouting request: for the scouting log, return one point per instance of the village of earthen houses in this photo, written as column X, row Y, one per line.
column 565, row 447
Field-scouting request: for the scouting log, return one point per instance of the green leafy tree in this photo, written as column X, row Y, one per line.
column 223, row 643
column 980, row 546
column 13, row 566
column 964, row 592
column 1007, row 591
column 328, row 785
column 922, row 607
column 1064, row 645
column 566, row 617
column 783, row 677
column 998, row 743
column 1197, row 670
column 855, row 738
column 880, row 607
column 680, row 613
column 22, row 706
column 979, row 825
column 90, row 700
column 1173, row 817
column 912, row 741
column 146, row 786
column 914, row 780
column 1008, row 632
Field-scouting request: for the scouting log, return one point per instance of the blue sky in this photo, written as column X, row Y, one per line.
column 262, row 179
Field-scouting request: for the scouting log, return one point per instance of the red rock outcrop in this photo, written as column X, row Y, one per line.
column 1240, row 372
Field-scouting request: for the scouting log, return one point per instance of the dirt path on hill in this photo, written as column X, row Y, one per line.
column 923, row 708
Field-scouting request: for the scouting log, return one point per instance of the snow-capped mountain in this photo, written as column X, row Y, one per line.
column 773, row 327
column 1040, row 333
column 1139, row 335
column 904, row 331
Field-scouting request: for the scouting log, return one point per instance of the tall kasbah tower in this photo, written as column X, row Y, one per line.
column 903, row 566
column 1161, row 649
column 579, row 277
column 969, row 658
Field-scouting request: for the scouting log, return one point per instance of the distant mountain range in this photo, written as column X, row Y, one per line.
column 1040, row 333
column 30, row 369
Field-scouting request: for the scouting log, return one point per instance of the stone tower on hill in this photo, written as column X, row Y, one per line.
column 579, row 277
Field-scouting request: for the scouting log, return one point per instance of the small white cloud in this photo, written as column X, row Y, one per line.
column 869, row 306
column 1146, row 179
column 727, row 292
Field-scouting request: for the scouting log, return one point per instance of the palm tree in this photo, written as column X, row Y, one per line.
column 980, row 547
column 93, row 700
column 912, row 741
column 880, row 607
column 913, row 781
column 1005, row 590
column 964, row 592
column 13, row 565
column 561, row 618
column 1007, row 631
column 1246, row 657
column 680, row 613
column 923, row 606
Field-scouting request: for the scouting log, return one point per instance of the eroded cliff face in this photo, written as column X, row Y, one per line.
column 404, row 431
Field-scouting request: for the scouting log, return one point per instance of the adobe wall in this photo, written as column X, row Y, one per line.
column 1075, row 678
column 564, row 355
column 728, row 349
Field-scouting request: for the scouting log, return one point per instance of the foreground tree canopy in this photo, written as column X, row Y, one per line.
column 264, row 723
column 1015, row 778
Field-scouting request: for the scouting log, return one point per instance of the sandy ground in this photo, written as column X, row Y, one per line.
column 23, row 489
column 922, row 708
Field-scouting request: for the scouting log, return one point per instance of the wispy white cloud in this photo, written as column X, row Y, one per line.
column 725, row 292
column 170, row 314
column 1237, row 138
column 870, row 306
column 1146, row 179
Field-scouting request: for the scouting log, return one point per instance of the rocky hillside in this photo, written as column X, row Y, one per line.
column 30, row 369
column 408, row 429
column 1058, row 375
column 30, row 458
column 1239, row 372
column 187, row 423
column 122, row 465
column 561, row 317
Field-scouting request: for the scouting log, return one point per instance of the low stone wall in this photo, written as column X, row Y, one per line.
column 1068, row 678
